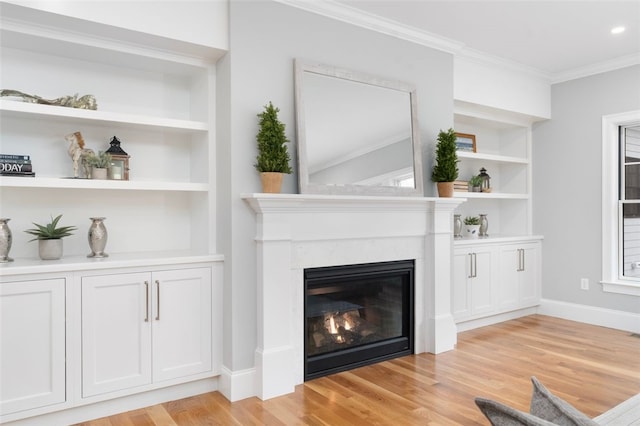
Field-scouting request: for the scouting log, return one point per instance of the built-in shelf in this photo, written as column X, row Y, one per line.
column 10, row 108
column 491, row 195
column 71, row 183
column 491, row 157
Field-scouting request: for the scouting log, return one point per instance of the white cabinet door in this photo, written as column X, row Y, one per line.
column 32, row 350
column 460, row 295
column 142, row 328
column 116, row 332
column 530, row 275
column 473, row 278
column 182, row 329
column 519, row 276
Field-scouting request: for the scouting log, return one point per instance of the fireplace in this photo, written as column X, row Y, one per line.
column 357, row 315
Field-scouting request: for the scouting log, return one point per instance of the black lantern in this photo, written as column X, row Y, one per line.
column 119, row 161
column 486, row 180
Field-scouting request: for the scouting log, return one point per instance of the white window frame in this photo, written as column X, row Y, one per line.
column 612, row 279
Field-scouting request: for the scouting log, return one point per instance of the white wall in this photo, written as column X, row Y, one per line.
column 199, row 22
column 567, row 196
column 489, row 83
column 265, row 37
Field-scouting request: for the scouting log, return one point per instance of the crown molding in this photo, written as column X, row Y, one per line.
column 600, row 67
column 351, row 15
column 354, row 16
column 502, row 63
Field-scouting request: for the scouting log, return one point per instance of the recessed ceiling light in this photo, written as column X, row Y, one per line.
column 617, row 30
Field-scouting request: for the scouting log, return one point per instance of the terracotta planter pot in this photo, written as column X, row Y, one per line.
column 271, row 182
column 445, row 189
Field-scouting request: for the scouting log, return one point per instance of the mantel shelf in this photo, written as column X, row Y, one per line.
column 71, row 183
column 10, row 108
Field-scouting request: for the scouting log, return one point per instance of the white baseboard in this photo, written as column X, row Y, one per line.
column 494, row 319
column 619, row 320
column 237, row 385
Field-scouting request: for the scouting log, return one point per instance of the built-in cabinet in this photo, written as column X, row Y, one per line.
column 78, row 330
column 143, row 328
column 498, row 273
column 93, row 335
column 495, row 277
column 32, row 353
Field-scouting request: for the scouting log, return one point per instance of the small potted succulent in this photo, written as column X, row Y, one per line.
column 49, row 238
column 100, row 164
column 471, row 226
column 475, row 184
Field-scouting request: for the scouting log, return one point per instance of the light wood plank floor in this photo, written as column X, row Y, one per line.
column 593, row 368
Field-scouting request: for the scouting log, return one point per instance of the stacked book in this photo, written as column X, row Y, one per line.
column 460, row 186
column 16, row 165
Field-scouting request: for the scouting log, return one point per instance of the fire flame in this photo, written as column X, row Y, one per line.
column 332, row 326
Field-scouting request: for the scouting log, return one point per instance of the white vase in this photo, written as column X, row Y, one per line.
column 50, row 249
column 471, row 231
column 457, row 226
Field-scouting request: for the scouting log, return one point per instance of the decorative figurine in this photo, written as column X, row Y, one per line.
column 78, row 153
column 83, row 102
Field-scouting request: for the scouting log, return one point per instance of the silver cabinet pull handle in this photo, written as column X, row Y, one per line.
column 520, row 260
column 158, row 300
column 473, row 266
column 146, row 289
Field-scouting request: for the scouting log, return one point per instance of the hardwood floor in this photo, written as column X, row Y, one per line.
column 593, row 368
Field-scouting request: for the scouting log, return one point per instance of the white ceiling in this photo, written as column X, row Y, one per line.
column 556, row 38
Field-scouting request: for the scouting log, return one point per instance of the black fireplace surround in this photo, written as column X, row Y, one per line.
column 357, row 315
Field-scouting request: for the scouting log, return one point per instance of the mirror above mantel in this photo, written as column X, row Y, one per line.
column 357, row 133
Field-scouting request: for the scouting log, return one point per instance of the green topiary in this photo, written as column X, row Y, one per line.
column 272, row 151
column 445, row 168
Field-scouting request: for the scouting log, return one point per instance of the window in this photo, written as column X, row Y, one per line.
column 621, row 203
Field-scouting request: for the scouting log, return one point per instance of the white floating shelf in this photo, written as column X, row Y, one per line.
column 491, row 157
column 491, row 195
column 10, row 108
column 70, row 183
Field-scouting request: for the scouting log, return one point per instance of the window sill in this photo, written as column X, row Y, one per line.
column 621, row 287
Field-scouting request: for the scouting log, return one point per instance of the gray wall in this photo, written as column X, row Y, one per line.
column 265, row 37
column 567, row 189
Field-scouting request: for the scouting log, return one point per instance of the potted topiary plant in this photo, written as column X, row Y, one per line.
column 100, row 164
column 471, row 226
column 445, row 168
column 49, row 238
column 273, row 158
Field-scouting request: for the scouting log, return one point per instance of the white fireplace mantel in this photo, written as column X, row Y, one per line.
column 297, row 231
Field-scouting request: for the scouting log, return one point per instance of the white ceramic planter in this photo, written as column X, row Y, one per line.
column 471, row 231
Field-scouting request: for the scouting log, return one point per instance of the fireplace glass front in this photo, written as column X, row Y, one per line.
column 357, row 315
